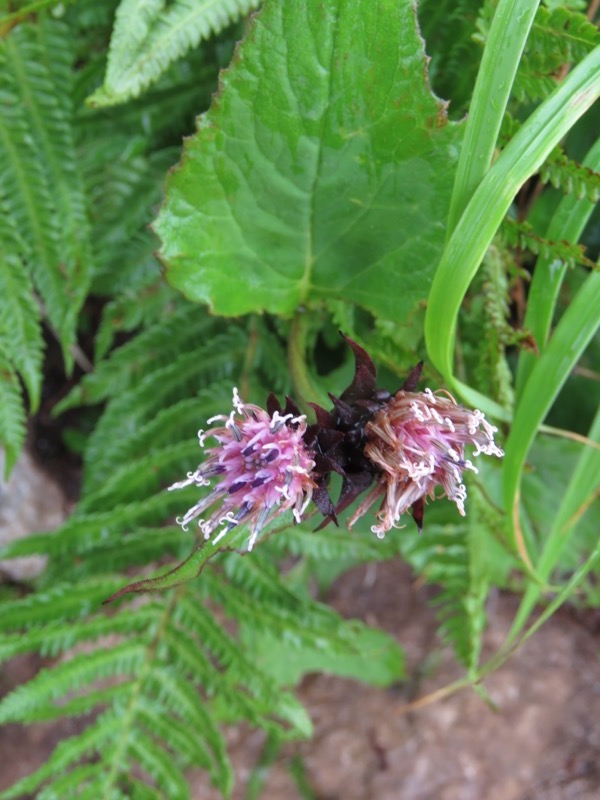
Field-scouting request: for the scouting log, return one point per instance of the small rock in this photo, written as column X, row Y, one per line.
column 30, row 502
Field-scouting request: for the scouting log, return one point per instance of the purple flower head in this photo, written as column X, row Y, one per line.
column 259, row 468
column 417, row 442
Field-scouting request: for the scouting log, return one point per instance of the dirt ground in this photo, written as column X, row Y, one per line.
column 542, row 744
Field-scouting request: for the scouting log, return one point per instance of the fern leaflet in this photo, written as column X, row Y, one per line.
column 569, row 176
column 12, row 418
column 149, row 36
column 20, row 330
column 42, row 191
column 558, row 37
column 522, row 235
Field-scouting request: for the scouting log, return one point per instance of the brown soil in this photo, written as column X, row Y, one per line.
column 542, row 744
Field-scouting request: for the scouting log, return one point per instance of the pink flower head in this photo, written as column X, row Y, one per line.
column 417, row 442
column 261, row 468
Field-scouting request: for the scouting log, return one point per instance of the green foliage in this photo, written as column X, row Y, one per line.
column 566, row 174
column 448, row 27
column 521, row 235
column 12, row 418
column 559, row 170
column 149, row 36
column 44, row 238
column 310, row 221
column 559, row 37
column 476, row 224
column 174, row 673
column 317, row 184
column 77, row 192
column 463, row 559
column 42, row 191
column 21, row 344
column 486, row 328
column 20, row 333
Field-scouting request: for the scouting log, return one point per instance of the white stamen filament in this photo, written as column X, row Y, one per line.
column 237, row 402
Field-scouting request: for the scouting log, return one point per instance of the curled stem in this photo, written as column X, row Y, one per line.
column 305, row 388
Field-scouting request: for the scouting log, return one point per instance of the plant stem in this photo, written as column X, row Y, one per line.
column 305, row 389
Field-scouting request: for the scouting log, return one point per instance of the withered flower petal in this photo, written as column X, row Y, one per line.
column 417, row 441
column 406, row 444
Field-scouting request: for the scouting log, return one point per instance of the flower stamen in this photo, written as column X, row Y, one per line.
column 263, row 469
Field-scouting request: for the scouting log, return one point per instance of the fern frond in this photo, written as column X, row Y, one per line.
column 93, row 740
column 177, row 669
column 149, row 36
column 159, row 766
column 12, row 412
column 569, row 176
column 140, row 305
column 442, row 557
column 522, row 235
column 178, row 422
column 135, row 547
column 561, row 171
column 63, row 678
column 558, row 37
column 154, row 347
column 25, row 189
column 487, row 323
column 116, row 694
column 181, row 698
column 20, row 329
column 462, row 558
column 58, row 637
column 271, row 359
column 63, row 601
column 69, row 785
column 140, row 476
column 447, row 27
column 333, row 545
column 276, row 607
column 141, row 791
column 81, row 534
column 186, row 375
column 174, row 671
column 180, row 735
column 42, row 189
column 124, row 188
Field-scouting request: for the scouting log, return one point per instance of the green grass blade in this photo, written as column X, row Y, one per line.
column 564, row 595
column 571, row 336
column 569, row 220
column 510, row 647
column 523, row 155
column 500, row 61
column 583, row 483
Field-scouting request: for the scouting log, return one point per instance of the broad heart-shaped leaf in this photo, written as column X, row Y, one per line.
column 322, row 170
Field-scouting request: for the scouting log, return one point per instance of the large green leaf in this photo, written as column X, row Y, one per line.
column 322, row 170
